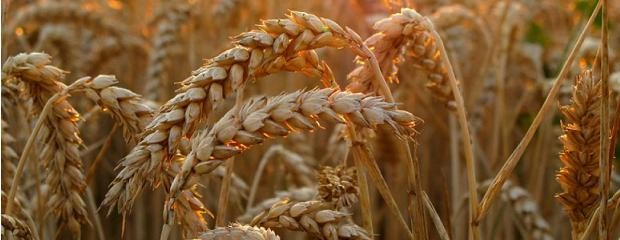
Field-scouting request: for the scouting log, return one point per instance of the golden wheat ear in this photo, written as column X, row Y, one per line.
column 579, row 176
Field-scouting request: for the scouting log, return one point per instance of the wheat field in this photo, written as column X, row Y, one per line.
column 324, row 119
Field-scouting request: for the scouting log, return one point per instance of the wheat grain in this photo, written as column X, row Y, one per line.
column 239, row 232
column 579, row 176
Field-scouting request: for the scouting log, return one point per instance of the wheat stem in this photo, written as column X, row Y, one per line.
column 222, row 204
column 465, row 135
column 441, row 230
column 106, row 145
column 595, row 216
column 366, row 207
column 604, row 137
column 259, row 173
column 515, row 156
column 28, row 147
column 375, row 174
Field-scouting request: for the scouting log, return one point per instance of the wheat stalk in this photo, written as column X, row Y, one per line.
column 258, row 53
column 277, row 116
column 61, row 137
column 239, row 232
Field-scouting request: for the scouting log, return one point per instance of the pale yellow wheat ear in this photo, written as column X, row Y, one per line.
column 239, row 232
column 158, row 79
column 60, row 136
column 317, row 218
column 527, row 211
column 278, row 45
column 263, row 118
column 405, row 36
column 579, row 177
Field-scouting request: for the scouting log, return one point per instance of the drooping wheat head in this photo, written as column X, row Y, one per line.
column 278, row 45
column 404, row 34
column 272, row 117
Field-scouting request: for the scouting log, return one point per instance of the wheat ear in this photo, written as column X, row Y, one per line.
column 126, row 107
column 317, row 218
column 579, row 177
column 338, row 185
column 164, row 41
column 278, row 45
column 262, row 118
column 239, row 232
column 60, row 136
column 13, row 228
column 535, row 226
column 296, row 194
column 406, row 34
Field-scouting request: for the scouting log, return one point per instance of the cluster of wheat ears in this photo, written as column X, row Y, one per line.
column 418, row 130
